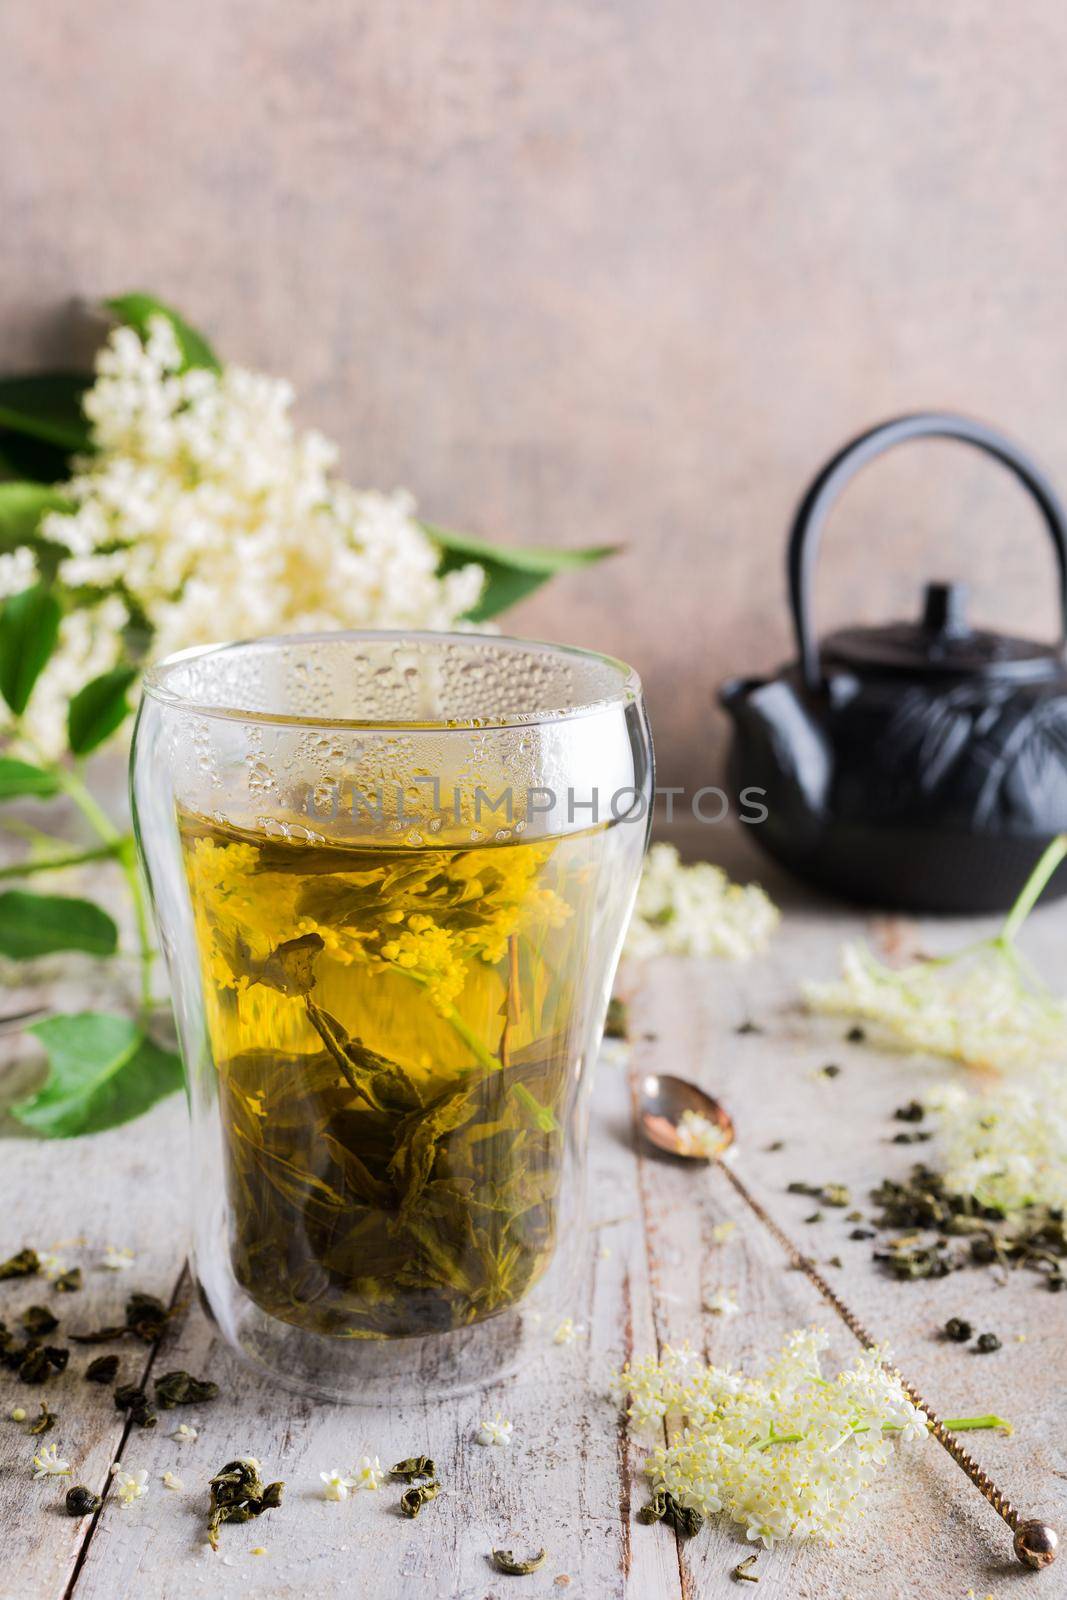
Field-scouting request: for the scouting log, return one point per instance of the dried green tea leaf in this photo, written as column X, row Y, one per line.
column 102, row 1369
column 413, row 1499
column 68, row 1282
column 518, row 1566
column 81, row 1502
column 47, row 1419
column 37, row 1363
column 180, row 1389
column 663, row 1507
column 617, row 1022
column 413, row 1467
column 132, row 1399
column 23, row 1265
column 238, row 1495
column 146, row 1318
column 38, row 1320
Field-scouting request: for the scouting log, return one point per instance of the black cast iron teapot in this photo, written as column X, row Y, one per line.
column 917, row 764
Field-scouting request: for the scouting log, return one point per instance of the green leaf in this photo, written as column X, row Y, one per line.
column 47, row 406
column 98, row 709
column 103, row 1070
column 20, row 778
column 511, row 572
column 34, row 925
column 22, row 505
column 138, row 309
column 32, row 459
column 29, row 626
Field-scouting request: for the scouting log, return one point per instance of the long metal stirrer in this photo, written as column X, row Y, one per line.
column 1034, row 1541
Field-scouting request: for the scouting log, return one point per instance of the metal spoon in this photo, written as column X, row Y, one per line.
column 662, row 1103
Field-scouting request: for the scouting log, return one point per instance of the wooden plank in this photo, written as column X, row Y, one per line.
column 930, row 1534
column 565, row 1482
column 76, row 1198
column 571, row 1479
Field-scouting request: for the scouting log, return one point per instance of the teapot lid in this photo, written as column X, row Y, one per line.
column 942, row 642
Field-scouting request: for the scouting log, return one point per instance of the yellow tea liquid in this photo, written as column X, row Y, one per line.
column 398, row 1035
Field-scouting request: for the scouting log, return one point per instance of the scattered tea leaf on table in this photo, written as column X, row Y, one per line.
column 238, row 1494
column 518, row 1566
column 181, row 1389
column 103, row 1071
column 33, row 925
column 25, row 1264
column 38, row 1320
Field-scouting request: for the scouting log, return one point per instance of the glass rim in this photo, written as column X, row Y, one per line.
column 154, row 684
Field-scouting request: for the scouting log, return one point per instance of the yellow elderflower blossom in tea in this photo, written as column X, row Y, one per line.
column 789, row 1455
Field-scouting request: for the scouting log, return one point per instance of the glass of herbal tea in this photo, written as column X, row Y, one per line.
column 392, row 874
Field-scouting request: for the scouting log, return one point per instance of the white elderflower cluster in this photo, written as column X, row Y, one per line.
column 789, row 1455
column 1007, row 1145
column 205, row 513
column 697, row 911
column 980, row 1008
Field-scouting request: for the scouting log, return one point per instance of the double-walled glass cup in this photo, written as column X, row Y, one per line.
column 391, row 874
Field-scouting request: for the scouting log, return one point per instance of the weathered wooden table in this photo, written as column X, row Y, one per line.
column 571, row 1479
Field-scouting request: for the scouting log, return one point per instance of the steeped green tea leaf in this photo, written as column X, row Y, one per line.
column 396, row 1032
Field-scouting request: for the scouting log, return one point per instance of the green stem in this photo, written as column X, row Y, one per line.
column 456, row 1023
column 971, row 1424
column 953, row 1424
column 75, row 788
column 1033, row 889
column 77, row 858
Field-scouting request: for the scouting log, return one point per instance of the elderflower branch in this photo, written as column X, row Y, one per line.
column 74, row 858
column 953, row 1424
column 833, row 1434
column 121, row 847
column 1033, row 889
column 981, row 1005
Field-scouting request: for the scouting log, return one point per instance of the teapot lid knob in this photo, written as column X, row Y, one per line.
column 944, row 608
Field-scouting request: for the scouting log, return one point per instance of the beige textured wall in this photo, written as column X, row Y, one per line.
column 590, row 270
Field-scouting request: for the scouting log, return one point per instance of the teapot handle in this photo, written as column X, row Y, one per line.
column 813, row 509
